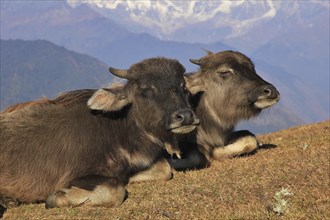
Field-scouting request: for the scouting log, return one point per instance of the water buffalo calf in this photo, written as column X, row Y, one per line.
column 226, row 90
column 83, row 146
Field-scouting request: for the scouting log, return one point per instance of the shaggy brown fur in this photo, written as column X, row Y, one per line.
column 49, row 146
column 226, row 90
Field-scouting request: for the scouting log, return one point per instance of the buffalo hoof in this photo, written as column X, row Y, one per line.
column 2, row 210
column 8, row 202
column 56, row 199
column 104, row 194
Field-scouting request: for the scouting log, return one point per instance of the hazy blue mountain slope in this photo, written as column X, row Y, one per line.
column 80, row 29
column 32, row 69
column 133, row 48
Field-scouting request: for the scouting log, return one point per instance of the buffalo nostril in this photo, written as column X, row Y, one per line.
column 179, row 117
column 184, row 116
column 268, row 91
column 182, row 121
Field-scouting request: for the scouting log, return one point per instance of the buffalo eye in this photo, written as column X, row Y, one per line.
column 224, row 73
column 143, row 86
column 122, row 97
column 146, row 91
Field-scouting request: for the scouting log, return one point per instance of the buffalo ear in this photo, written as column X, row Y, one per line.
column 194, row 84
column 108, row 100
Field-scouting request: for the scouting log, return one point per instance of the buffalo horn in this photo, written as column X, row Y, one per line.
column 208, row 52
column 118, row 72
column 195, row 61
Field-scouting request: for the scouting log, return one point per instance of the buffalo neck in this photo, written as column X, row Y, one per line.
column 213, row 129
column 130, row 134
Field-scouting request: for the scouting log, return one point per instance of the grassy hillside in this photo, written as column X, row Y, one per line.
column 288, row 177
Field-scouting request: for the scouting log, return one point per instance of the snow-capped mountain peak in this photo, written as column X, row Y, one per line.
column 165, row 18
column 169, row 16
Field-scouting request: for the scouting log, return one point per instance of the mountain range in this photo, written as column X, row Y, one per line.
column 35, row 69
column 290, row 48
column 214, row 20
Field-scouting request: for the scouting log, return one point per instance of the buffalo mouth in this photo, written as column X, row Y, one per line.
column 262, row 103
column 179, row 128
column 264, row 96
column 183, row 129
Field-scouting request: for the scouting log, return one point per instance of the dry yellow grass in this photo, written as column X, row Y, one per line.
column 238, row 188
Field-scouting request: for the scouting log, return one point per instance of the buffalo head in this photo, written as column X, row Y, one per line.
column 155, row 94
column 231, row 88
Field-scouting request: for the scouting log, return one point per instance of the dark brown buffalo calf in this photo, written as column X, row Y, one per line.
column 83, row 146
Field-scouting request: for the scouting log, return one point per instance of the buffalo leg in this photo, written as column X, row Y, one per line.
column 89, row 190
column 160, row 170
column 192, row 158
column 240, row 142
